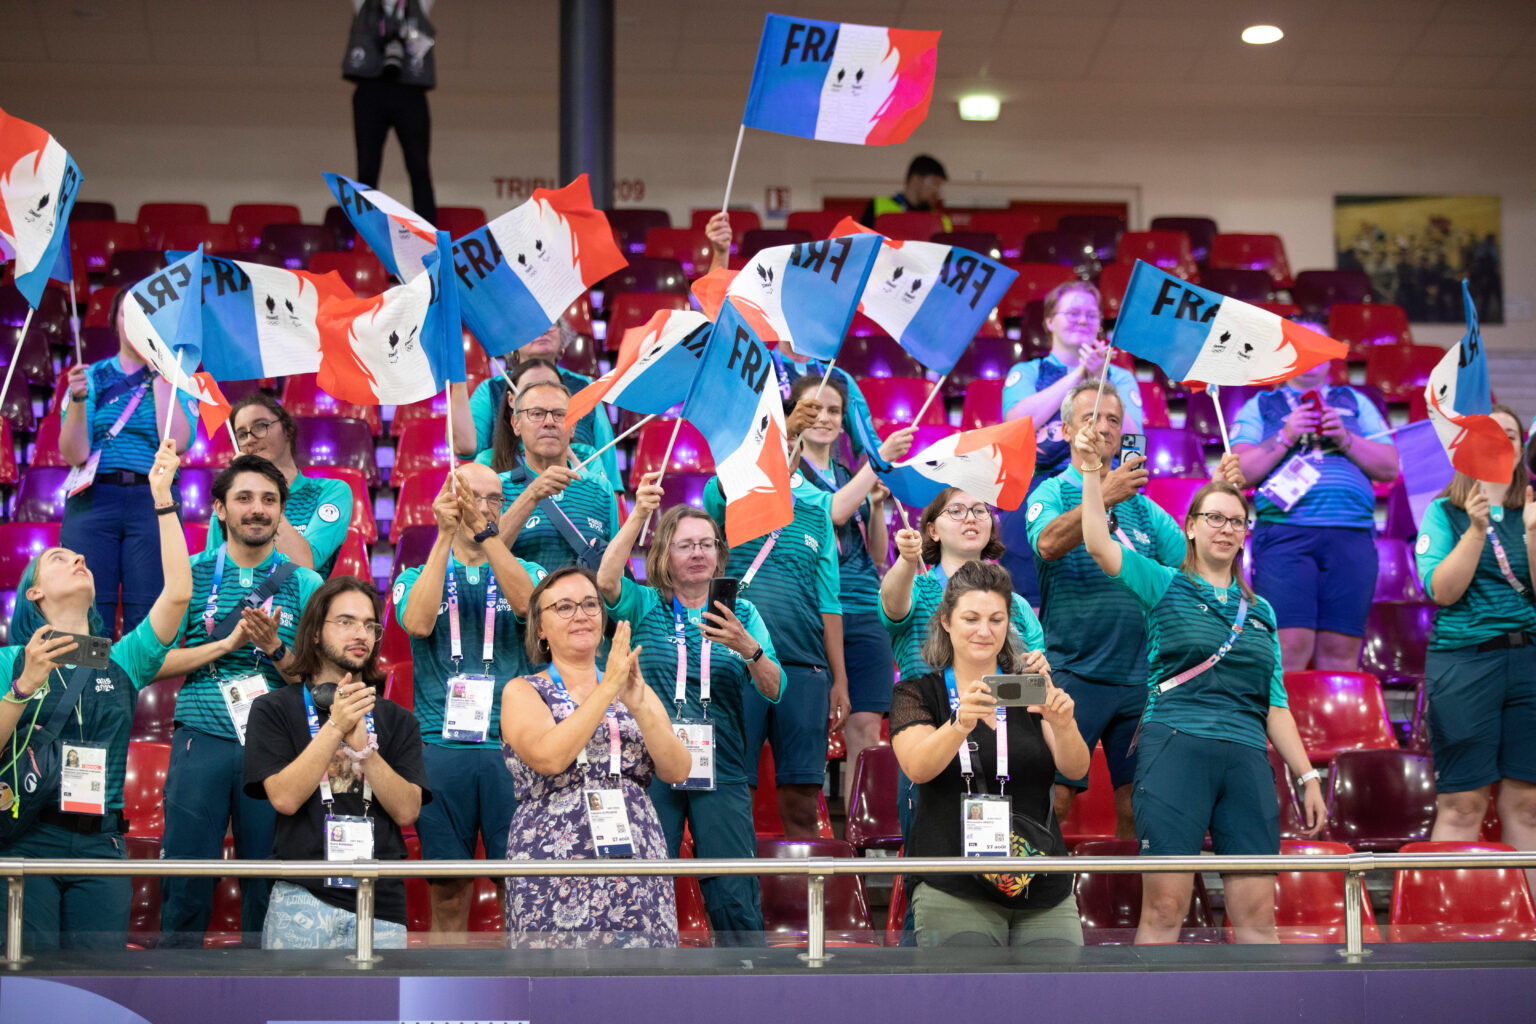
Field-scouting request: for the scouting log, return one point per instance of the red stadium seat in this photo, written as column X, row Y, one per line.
column 1113, row 280
column 1396, row 575
column 689, row 247
column 634, row 309
column 40, row 498
column 742, row 221
column 414, row 505
column 1364, row 325
column 1396, row 639
column 1291, row 825
column 1093, row 810
column 1074, row 250
column 129, row 266
column 400, row 686
column 1401, row 371
column 1173, row 494
column 816, row 223
column 352, row 558
column 303, row 397
column 984, row 242
column 758, row 239
column 690, row 453
column 34, row 362
column 1173, row 452
column 1338, row 711
column 845, row 907
column 395, row 647
column 1316, row 291
column 876, row 355
column 684, row 489
column 581, row 356
column 1309, row 905
column 1199, row 229
column 343, row 234
column 1461, row 904
column 98, row 307
column 1110, row 904
column 224, row 925
column 154, row 714
column 983, row 359
column 1103, row 231
column 1239, row 283
column 92, row 243
column 434, row 408
column 693, row 931
column 909, row 225
column 294, row 244
column 144, row 788
column 1154, row 406
column 1011, row 227
column 1380, row 799
column 85, row 209
column 196, row 489
column 872, row 822
column 158, row 214
column 336, row 441
column 1034, row 282
column 983, row 405
column 894, row 402
column 765, row 800
column 896, row 914
column 196, row 535
column 186, row 236
column 423, row 445
column 1253, row 252
column 250, row 219
column 8, row 473
column 459, row 221
column 362, row 508
column 578, row 315
column 1166, row 250
column 360, row 271
column 206, row 452
column 631, row 225
column 844, row 206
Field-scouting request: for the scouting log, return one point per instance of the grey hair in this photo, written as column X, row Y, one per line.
column 1079, row 388
column 517, row 404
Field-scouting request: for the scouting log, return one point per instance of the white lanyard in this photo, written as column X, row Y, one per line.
column 326, row 796
column 211, row 609
column 1001, row 732
column 680, row 693
column 488, row 641
column 615, row 744
column 762, row 556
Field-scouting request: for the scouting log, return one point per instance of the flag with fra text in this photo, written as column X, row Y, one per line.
column 162, row 321
column 1460, row 399
column 397, row 234
column 39, row 183
column 993, row 463
column 655, row 368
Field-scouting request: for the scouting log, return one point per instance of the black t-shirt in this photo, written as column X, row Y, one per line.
column 936, row 824
column 276, row 734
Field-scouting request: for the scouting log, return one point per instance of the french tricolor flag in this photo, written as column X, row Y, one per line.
column 931, row 298
column 1200, row 335
column 1460, row 400
column 840, row 82
column 655, row 368
column 805, row 294
column 39, row 183
column 993, row 463
column 402, row 346
column 518, row 273
column 162, row 320
column 260, row 321
column 400, row 238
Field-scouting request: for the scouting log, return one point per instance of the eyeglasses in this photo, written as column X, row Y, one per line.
column 351, row 624
column 257, row 431
column 567, row 609
column 542, row 415
column 688, row 547
column 959, row 512
column 493, row 500
column 1088, row 315
column 1216, row 521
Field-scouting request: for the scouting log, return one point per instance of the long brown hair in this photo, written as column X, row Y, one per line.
column 1461, row 486
column 308, row 656
column 658, row 559
column 932, row 549
column 939, row 649
column 536, row 646
column 1191, row 567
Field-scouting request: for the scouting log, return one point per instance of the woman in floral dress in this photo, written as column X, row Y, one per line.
column 557, row 729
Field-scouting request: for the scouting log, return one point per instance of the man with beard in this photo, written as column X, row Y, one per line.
column 343, row 770
column 246, row 599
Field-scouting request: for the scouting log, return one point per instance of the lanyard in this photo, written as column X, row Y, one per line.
column 680, row 694
column 1000, row 731
column 127, row 413
column 325, row 781
column 488, row 640
column 1221, row 652
column 828, row 478
column 211, row 609
column 1503, row 557
column 762, row 556
column 615, row 745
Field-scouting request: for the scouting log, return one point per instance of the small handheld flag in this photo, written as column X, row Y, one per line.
column 162, row 320
column 655, row 368
column 993, row 463
column 398, row 236
column 1460, row 400
column 518, row 273
column 1200, row 335
column 39, row 183
column 841, row 82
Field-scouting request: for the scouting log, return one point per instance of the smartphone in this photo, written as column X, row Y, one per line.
column 722, row 588
column 90, row 651
column 1133, row 444
column 1316, row 400
column 1020, row 691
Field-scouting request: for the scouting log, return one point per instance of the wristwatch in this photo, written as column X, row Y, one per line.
column 1309, row 776
column 77, row 398
column 757, row 657
column 491, row 530
column 279, row 653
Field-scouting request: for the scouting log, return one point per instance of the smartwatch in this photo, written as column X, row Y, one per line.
column 491, row 530
column 757, row 657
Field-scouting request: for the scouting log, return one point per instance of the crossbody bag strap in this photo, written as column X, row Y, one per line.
column 77, row 680
column 567, row 529
column 269, row 586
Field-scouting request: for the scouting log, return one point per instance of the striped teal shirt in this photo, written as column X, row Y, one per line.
column 133, row 449
column 593, row 429
column 200, row 704
column 798, row 581
column 1490, row 607
column 318, row 509
column 909, row 634
column 1092, row 626
column 588, row 503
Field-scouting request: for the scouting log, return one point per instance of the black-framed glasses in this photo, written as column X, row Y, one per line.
column 688, row 547
column 1215, row 520
column 959, row 512
column 256, row 431
column 567, row 609
column 542, row 415
column 351, row 624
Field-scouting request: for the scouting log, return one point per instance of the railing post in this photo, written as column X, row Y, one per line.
column 365, row 957
column 13, row 896
column 815, row 954
column 1354, row 907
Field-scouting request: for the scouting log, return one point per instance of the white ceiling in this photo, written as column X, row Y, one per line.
column 1388, row 55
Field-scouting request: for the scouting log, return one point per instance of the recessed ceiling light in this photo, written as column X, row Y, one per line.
column 979, row 108
column 1260, row 35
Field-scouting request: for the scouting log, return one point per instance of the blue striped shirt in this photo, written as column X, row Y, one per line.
column 588, row 503
column 133, row 449
column 1489, row 607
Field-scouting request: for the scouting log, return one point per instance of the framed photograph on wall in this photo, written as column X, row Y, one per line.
column 1417, row 249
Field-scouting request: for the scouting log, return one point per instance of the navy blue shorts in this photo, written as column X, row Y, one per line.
column 1105, row 712
column 1187, row 784
column 1482, row 716
column 472, row 796
column 868, row 660
column 795, row 727
column 1316, row 577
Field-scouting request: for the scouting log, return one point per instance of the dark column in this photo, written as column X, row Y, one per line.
column 586, row 95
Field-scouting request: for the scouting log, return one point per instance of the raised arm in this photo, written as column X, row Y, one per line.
column 923, row 751
column 1453, row 575
column 896, row 588
column 511, row 576
column 419, row 617
column 170, row 608
column 75, row 431
column 1097, row 540
column 877, row 534
column 610, row 573
column 852, row 494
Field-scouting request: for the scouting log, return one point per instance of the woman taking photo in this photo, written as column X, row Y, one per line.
column 963, row 752
column 583, row 745
column 58, row 591
column 1474, row 556
column 679, row 639
column 1218, row 692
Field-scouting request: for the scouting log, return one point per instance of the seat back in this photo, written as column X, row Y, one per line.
column 294, row 244
column 635, row 309
column 785, row 899
column 20, row 542
column 1200, row 231
column 1380, row 799
column 910, row 225
column 984, row 242
column 1461, row 904
column 361, row 271
column 251, row 219
column 1093, row 810
column 154, row 714
column 1253, row 252
column 1316, row 291
column 144, row 788
column 689, row 452
column 1173, row 452
column 1309, row 905
column 631, row 225
column 1110, row 904
column 337, row 441
column 877, row 355
column 1397, row 640
column 872, row 822
column 1167, row 250
column 688, row 246
column 1337, row 711
column 894, row 402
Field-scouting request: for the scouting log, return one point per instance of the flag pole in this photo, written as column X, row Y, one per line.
column 229, row 424
column 593, row 457
column 16, row 355
column 74, row 319
column 170, row 407
column 730, row 179
column 1221, row 418
column 1103, row 376
column 929, row 400
column 662, row 471
column 452, row 455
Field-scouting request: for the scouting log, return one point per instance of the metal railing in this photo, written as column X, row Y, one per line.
column 816, row 871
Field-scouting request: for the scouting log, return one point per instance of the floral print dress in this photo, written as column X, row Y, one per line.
column 551, row 824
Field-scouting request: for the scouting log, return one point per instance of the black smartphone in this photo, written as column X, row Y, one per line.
column 1021, row 691
column 90, row 651
column 723, row 588
column 1131, row 444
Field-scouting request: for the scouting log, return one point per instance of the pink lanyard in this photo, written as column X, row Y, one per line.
column 488, row 640
column 1221, row 652
column 680, row 694
column 1000, row 731
column 1503, row 557
column 762, row 556
column 615, row 743
column 127, row 413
